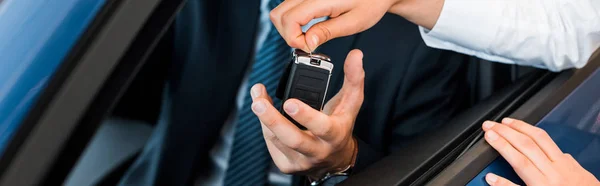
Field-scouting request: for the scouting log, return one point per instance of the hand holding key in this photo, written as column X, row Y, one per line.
column 327, row 144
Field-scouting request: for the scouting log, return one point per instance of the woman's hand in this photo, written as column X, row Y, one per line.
column 533, row 155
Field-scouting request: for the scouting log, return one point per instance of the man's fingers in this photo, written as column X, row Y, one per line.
column 331, row 104
column 316, row 122
column 284, row 130
column 523, row 144
column 495, row 180
column 276, row 153
column 540, row 137
column 260, row 91
column 352, row 92
column 354, row 73
column 521, row 164
column 276, row 148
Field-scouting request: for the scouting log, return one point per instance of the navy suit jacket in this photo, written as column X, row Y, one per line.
column 409, row 87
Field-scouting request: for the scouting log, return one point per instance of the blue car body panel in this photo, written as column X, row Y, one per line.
column 35, row 37
column 575, row 127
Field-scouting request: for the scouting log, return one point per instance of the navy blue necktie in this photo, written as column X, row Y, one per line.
column 250, row 160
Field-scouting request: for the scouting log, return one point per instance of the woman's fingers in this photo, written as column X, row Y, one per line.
column 520, row 163
column 524, row 144
column 541, row 137
column 495, row 180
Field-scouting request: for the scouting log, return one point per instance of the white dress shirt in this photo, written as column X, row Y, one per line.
column 550, row 34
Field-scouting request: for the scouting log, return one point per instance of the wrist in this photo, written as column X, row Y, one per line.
column 349, row 153
column 353, row 146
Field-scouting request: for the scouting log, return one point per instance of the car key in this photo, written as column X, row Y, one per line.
column 306, row 79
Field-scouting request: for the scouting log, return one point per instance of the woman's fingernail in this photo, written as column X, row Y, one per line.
column 491, row 178
column 491, row 135
column 488, row 124
column 507, row 120
column 258, row 107
column 255, row 91
column 291, row 107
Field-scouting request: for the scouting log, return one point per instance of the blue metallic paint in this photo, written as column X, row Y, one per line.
column 35, row 37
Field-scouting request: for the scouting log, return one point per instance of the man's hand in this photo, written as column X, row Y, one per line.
column 533, row 155
column 327, row 144
column 346, row 17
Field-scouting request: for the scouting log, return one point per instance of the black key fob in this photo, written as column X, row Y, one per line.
column 306, row 78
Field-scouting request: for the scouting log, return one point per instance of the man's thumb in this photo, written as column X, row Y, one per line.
column 354, row 80
column 354, row 73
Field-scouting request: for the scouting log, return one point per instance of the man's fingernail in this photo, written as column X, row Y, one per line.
column 291, row 107
column 315, row 42
column 255, row 91
column 488, row 124
column 258, row 107
column 491, row 135
column 491, row 178
column 507, row 120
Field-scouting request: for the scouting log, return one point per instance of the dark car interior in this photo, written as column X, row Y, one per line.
column 496, row 91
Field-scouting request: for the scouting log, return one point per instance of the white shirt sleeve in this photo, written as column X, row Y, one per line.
column 551, row 34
